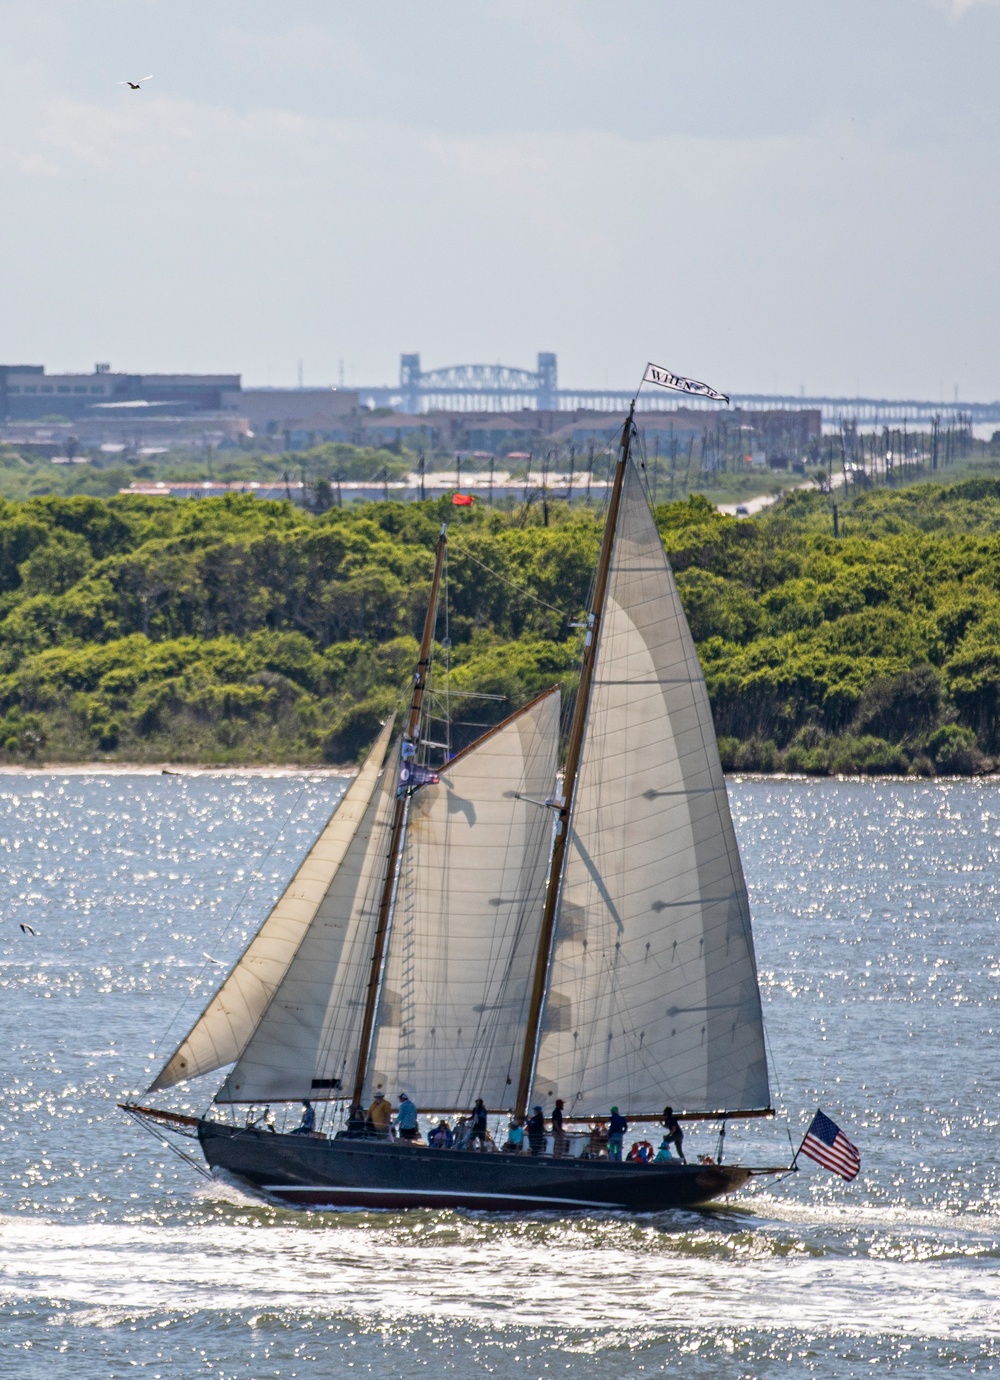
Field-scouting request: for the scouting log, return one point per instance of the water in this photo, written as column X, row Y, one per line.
column 876, row 918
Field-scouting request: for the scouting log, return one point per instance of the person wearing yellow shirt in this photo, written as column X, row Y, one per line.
column 380, row 1114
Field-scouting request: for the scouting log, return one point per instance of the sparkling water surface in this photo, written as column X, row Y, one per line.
column 876, row 921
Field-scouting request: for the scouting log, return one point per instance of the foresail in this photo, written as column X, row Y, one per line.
column 653, row 994
column 306, row 1042
column 465, row 927
column 220, row 1034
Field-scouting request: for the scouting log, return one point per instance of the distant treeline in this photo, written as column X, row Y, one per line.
column 232, row 630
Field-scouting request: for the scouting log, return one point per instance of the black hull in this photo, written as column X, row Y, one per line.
column 315, row 1173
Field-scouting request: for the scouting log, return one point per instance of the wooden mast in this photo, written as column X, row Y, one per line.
column 411, row 737
column 573, row 751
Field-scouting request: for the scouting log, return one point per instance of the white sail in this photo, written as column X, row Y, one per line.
column 652, row 995
column 306, row 1042
column 224, row 1027
column 454, row 1001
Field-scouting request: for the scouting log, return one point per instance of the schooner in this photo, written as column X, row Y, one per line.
column 489, row 929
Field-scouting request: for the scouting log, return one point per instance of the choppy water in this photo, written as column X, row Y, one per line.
column 876, row 916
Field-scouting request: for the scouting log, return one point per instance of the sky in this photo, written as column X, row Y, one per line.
column 771, row 195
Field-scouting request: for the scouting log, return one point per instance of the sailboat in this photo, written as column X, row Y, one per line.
column 489, row 929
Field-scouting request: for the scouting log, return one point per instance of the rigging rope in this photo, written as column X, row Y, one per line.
column 255, row 876
column 504, row 579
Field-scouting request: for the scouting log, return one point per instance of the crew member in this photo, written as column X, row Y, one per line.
column 406, row 1119
column 308, row 1123
column 480, row 1119
column 515, row 1136
column 536, row 1131
column 560, row 1144
column 675, row 1133
column 380, row 1114
column 441, row 1137
column 617, row 1126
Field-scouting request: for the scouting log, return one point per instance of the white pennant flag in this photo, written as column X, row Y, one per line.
column 655, row 374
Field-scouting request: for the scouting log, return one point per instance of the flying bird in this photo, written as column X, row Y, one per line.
column 27, row 929
column 135, row 85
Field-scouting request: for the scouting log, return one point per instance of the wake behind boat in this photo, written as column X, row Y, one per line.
column 478, row 930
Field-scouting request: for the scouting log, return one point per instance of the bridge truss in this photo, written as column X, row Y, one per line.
column 502, row 388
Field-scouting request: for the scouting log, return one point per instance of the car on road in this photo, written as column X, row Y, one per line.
column 742, row 510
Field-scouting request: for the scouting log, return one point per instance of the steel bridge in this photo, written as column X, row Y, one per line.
column 501, row 388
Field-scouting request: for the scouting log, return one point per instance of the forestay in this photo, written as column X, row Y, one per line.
column 465, row 926
column 307, row 1040
column 653, row 993
column 224, row 1027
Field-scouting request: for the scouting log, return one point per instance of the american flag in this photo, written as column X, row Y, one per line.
column 826, row 1143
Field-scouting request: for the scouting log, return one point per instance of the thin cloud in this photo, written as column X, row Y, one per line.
column 956, row 8
column 307, row 46
column 556, row 25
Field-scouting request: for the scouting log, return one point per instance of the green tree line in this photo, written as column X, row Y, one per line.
column 234, row 630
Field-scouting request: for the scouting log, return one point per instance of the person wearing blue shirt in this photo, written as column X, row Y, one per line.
column 406, row 1119
column 308, row 1123
column 617, row 1126
column 515, row 1136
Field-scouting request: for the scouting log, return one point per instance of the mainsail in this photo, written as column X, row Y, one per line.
column 224, row 1027
column 652, row 992
column 454, row 1001
column 305, row 1040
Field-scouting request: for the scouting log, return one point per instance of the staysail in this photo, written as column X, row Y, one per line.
column 305, row 1039
column 221, row 1032
column 471, row 884
column 652, row 994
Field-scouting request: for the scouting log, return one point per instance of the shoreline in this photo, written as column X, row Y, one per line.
column 347, row 773
column 171, row 769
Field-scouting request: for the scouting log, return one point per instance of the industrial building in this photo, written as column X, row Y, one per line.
column 293, row 414
column 28, row 393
